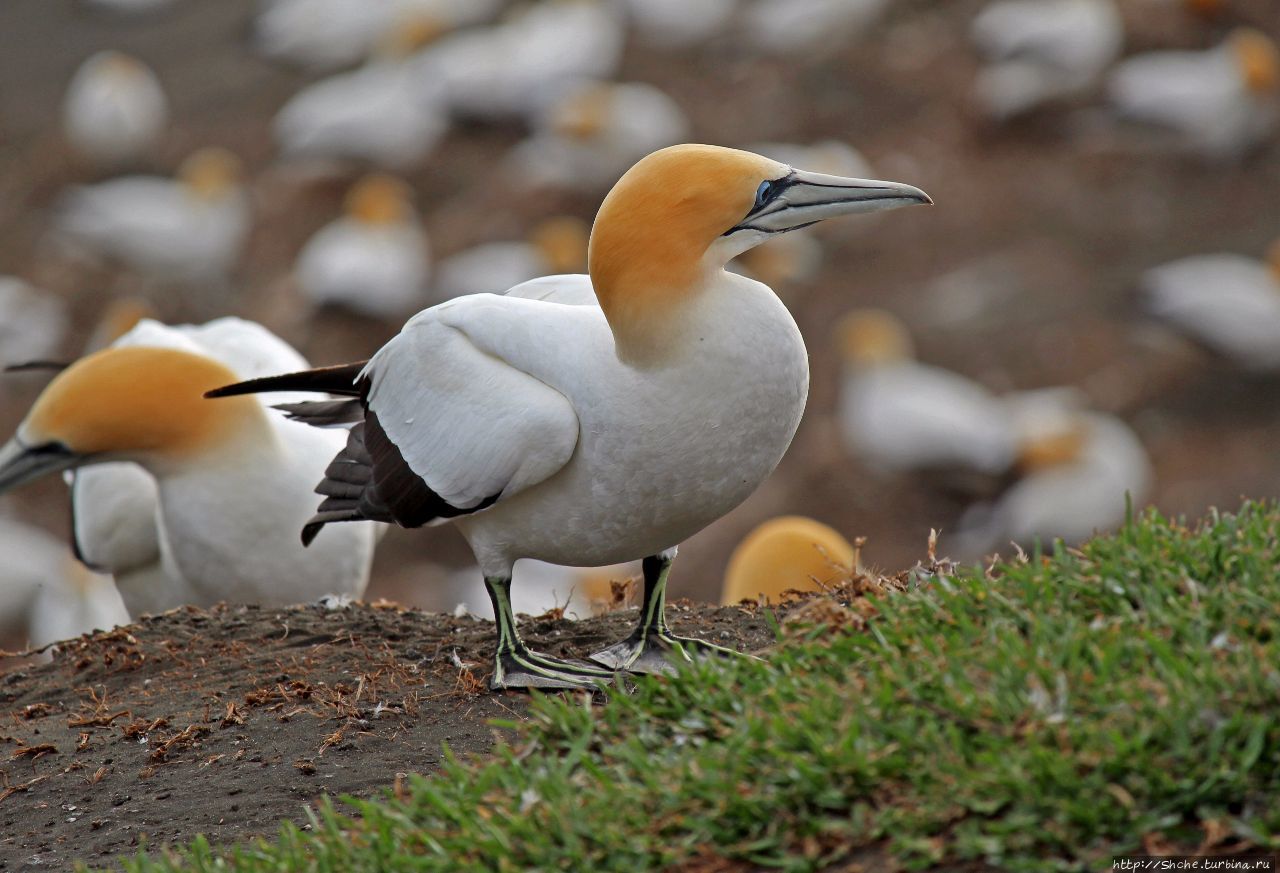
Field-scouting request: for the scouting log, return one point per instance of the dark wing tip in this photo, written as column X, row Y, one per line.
column 37, row 366
column 310, row 531
column 231, row 390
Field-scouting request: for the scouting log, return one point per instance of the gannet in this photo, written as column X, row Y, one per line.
column 592, row 420
column 789, row 553
column 229, row 483
column 509, row 70
column 672, row 24
column 45, row 596
column 387, row 112
column 114, row 110
column 1042, row 50
column 1220, row 102
column 374, row 260
column 192, row 227
column 591, row 132
column 1228, row 302
column 555, row 245
column 1077, row 469
column 788, row 27
column 32, row 322
column 898, row 415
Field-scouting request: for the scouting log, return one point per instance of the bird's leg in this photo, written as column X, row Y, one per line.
column 517, row 666
column 652, row 648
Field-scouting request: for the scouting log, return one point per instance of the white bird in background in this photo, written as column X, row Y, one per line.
column 555, row 245
column 593, row 420
column 580, row 591
column 674, row 24
column 190, row 228
column 1229, row 303
column 130, row 7
column 114, row 111
column 793, row 27
column 375, row 259
column 1042, row 50
column 591, row 132
column 788, row 553
column 45, row 596
column 897, row 415
column 1077, row 469
column 232, row 481
column 325, row 35
column 32, row 322
column 387, row 112
column 1220, row 102
column 509, row 70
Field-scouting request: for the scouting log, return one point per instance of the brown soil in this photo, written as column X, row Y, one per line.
column 224, row 722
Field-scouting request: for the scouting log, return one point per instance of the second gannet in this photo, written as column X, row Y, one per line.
column 593, row 420
column 228, row 484
column 32, row 322
column 115, row 110
column 1228, row 302
column 789, row 553
column 375, row 259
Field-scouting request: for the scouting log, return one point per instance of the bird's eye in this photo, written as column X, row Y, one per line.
column 765, row 193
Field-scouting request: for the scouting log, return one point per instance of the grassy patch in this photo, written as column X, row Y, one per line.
column 1045, row 715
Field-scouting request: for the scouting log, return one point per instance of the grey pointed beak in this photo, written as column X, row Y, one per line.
column 20, row 464
column 801, row 198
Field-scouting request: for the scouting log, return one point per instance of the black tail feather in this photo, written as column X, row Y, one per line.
column 348, row 489
column 324, row 413
column 340, row 380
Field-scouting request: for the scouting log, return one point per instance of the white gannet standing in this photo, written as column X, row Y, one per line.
column 45, row 596
column 591, row 132
column 375, row 259
column 788, row 553
column 1228, row 302
column 192, row 227
column 897, row 415
column 1077, row 469
column 1220, row 102
column 789, row 27
column 1042, row 50
column 555, row 245
column 114, row 110
column 32, row 322
column 508, row 70
column 232, row 482
column 674, row 24
column 387, row 112
column 593, row 420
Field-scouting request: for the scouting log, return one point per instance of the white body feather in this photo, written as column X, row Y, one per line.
column 32, row 322
column 114, row 110
column 596, row 462
column 380, row 270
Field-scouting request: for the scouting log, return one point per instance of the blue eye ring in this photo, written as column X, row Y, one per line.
column 765, row 193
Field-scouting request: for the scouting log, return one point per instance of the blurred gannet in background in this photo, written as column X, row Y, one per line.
column 114, row 110
column 45, row 596
column 192, row 227
column 130, row 7
column 593, row 420
column 672, row 24
column 1220, row 102
column 898, row 415
column 789, row 553
column 1228, row 302
column 1042, row 50
column 387, row 112
column 556, row 245
column 508, row 70
column 232, row 481
column 375, row 259
column 580, row 591
column 785, row 27
column 1076, row 468
column 591, row 132
column 32, row 322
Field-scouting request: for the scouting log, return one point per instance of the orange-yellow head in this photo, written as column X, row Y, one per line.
column 211, row 172
column 129, row 403
column 870, row 337
column 380, row 199
column 674, row 220
column 1259, row 59
column 1273, row 259
column 790, row 553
